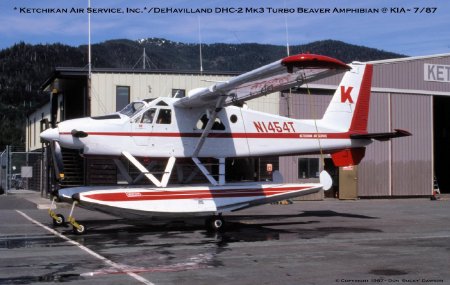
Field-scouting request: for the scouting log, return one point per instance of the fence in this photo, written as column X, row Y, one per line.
column 20, row 170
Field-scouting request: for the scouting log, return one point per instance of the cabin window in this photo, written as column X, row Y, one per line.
column 161, row 103
column 203, row 121
column 308, row 168
column 164, row 116
column 122, row 97
column 148, row 116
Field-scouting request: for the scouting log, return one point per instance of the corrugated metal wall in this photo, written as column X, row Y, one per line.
column 373, row 172
column 412, row 156
column 408, row 75
column 144, row 86
column 409, row 172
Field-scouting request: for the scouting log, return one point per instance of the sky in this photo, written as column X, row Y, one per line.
column 423, row 33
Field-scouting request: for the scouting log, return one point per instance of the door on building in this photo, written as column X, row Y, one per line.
column 441, row 123
column 348, row 182
column 334, row 173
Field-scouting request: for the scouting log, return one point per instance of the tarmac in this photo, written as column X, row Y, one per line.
column 386, row 241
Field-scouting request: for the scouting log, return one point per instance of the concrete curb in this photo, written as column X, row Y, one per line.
column 35, row 197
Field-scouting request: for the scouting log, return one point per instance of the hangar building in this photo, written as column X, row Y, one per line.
column 408, row 93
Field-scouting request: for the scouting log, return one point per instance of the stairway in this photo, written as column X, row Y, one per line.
column 73, row 169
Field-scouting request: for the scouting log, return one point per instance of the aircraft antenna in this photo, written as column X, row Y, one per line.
column 89, row 42
column 200, row 45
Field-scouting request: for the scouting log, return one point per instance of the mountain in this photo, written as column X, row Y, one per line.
column 25, row 67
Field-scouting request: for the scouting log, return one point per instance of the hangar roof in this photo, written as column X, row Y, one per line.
column 82, row 72
column 412, row 58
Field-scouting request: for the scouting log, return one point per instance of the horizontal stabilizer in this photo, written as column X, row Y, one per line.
column 382, row 136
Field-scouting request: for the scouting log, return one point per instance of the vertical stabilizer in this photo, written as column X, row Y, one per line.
column 349, row 107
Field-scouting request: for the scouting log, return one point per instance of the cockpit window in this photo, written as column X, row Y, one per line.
column 148, row 116
column 132, row 109
column 164, row 116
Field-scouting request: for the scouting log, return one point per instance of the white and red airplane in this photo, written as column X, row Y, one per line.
column 207, row 124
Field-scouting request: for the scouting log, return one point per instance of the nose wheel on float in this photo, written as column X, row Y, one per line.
column 59, row 220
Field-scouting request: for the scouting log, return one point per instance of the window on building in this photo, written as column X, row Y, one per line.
column 164, row 116
column 122, row 97
column 178, row 93
column 308, row 168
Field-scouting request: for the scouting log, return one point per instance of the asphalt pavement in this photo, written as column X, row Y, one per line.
column 399, row 241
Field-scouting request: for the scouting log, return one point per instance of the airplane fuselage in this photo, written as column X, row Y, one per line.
column 175, row 132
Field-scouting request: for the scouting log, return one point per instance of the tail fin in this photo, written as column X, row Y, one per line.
column 349, row 107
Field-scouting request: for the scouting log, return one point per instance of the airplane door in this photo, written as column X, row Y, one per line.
column 142, row 127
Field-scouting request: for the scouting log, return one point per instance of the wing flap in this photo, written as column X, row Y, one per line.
column 280, row 75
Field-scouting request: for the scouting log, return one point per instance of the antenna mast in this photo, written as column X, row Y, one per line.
column 89, row 41
column 200, row 46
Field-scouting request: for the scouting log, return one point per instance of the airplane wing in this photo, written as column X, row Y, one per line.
column 280, row 75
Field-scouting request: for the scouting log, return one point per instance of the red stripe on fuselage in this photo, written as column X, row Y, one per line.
column 225, row 135
column 190, row 194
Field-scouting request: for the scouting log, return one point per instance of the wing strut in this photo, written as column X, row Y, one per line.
column 211, row 120
column 166, row 175
column 208, row 175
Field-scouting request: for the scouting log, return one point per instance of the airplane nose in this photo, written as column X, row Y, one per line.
column 50, row 134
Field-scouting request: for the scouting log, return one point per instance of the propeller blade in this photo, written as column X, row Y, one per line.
column 57, row 159
column 78, row 134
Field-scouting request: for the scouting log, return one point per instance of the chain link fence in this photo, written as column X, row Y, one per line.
column 20, row 170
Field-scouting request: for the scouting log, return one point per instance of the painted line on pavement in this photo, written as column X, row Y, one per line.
column 87, row 250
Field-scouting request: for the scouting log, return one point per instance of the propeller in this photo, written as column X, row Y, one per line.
column 57, row 159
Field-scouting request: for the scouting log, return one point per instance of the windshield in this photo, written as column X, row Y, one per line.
column 132, row 109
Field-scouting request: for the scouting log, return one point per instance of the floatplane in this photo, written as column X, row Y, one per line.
column 212, row 124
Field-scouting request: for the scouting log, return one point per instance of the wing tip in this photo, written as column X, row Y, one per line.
column 307, row 60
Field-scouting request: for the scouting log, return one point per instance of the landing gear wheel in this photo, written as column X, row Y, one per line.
column 59, row 220
column 215, row 223
column 81, row 229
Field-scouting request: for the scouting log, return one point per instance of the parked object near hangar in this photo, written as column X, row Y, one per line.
column 208, row 125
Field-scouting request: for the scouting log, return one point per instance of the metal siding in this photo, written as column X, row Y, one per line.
column 412, row 156
column 408, row 75
column 32, row 138
column 268, row 104
column 104, row 89
column 400, row 75
column 305, row 106
column 373, row 171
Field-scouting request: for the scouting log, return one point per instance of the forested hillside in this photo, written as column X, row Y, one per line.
column 24, row 67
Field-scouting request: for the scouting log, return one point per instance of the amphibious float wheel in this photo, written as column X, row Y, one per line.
column 81, row 229
column 215, row 223
column 59, row 221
